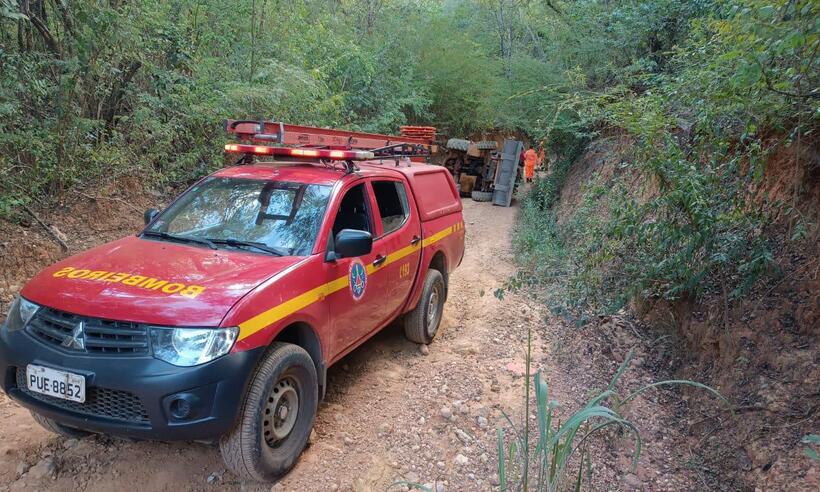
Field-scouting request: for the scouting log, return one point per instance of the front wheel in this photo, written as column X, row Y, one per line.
column 421, row 324
column 276, row 418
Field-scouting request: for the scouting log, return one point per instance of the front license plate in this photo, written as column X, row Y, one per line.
column 59, row 384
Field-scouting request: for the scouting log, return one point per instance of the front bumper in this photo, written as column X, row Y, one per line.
column 136, row 397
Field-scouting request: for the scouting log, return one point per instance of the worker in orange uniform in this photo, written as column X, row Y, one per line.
column 530, row 159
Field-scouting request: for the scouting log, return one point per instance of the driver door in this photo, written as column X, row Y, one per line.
column 353, row 309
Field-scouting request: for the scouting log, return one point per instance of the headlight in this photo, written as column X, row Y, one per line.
column 191, row 346
column 20, row 312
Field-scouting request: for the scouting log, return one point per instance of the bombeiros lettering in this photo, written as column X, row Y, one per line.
column 140, row 281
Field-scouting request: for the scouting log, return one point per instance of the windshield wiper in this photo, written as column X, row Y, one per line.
column 237, row 243
column 183, row 239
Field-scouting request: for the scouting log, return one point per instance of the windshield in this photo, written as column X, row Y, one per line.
column 283, row 217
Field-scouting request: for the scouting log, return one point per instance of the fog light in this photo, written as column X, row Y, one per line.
column 180, row 408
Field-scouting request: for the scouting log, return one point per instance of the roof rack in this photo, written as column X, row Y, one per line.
column 397, row 151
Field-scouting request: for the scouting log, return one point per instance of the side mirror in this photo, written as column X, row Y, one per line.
column 351, row 243
column 149, row 215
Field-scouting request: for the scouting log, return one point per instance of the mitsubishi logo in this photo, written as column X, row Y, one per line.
column 77, row 338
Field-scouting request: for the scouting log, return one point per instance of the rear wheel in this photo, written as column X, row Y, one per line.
column 421, row 324
column 482, row 196
column 58, row 428
column 276, row 418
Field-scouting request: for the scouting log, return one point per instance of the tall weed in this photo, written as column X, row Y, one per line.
column 560, row 447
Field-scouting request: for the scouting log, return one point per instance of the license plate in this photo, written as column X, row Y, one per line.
column 59, row 384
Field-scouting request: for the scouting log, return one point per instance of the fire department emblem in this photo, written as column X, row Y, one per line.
column 358, row 279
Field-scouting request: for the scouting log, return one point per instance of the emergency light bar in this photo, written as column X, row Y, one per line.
column 344, row 155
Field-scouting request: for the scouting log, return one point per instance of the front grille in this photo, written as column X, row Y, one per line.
column 100, row 336
column 99, row 402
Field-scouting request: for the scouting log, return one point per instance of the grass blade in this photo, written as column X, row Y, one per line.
column 621, row 370
column 526, row 466
column 580, row 476
column 676, row 381
column 502, row 474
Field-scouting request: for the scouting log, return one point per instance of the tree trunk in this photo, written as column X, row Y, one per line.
column 112, row 102
column 21, row 36
column 505, row 36
column 39, row 23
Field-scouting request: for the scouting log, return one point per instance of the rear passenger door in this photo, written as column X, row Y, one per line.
column 397, row 221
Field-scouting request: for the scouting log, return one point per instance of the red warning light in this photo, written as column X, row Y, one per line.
column 347, row 155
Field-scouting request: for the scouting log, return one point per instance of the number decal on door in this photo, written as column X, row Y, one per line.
column 404, row 270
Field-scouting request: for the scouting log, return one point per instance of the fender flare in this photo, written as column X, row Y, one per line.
column 303, row 333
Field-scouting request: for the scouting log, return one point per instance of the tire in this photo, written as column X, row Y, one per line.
column 252, row 449
column 420, row 325
column 482, row 196
column 487, row 145
column 458, row 144
column 58, row 428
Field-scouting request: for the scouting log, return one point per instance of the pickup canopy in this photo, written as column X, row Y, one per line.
column 434, row 189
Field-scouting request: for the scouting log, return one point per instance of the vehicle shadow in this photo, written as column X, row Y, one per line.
column 381, row 351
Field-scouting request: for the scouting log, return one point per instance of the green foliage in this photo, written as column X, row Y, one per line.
column 568, row 146
column 696, row 234
column 693, row 233
column 698, row 87
column 92, row 90
column 811, row 440
column 98, row 89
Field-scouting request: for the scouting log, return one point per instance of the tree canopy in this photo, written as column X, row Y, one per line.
column 98, row 87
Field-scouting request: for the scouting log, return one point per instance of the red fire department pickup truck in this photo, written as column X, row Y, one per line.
column 219, row 319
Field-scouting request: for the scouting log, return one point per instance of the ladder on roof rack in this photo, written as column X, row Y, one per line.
column 412, row 143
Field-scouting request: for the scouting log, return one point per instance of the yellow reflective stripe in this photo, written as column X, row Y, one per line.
column 438, row 236
column 290, row 306
column 394, row 257
column 295, row 304
column 405, row 251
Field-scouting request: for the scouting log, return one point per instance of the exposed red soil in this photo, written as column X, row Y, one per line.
column 764, row 355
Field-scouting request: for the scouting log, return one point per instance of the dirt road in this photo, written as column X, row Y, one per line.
column 392, row 412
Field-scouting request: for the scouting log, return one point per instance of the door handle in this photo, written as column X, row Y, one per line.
column 415, row 240
column 379, row 260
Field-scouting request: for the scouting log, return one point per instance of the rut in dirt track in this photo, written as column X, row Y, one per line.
column 392, row 413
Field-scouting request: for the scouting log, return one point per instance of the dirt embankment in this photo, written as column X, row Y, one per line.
column 81, row 219
column 760, row 351
column 393, row 412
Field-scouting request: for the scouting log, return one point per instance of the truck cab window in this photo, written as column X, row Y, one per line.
column 353, row 213
column 393, row 207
